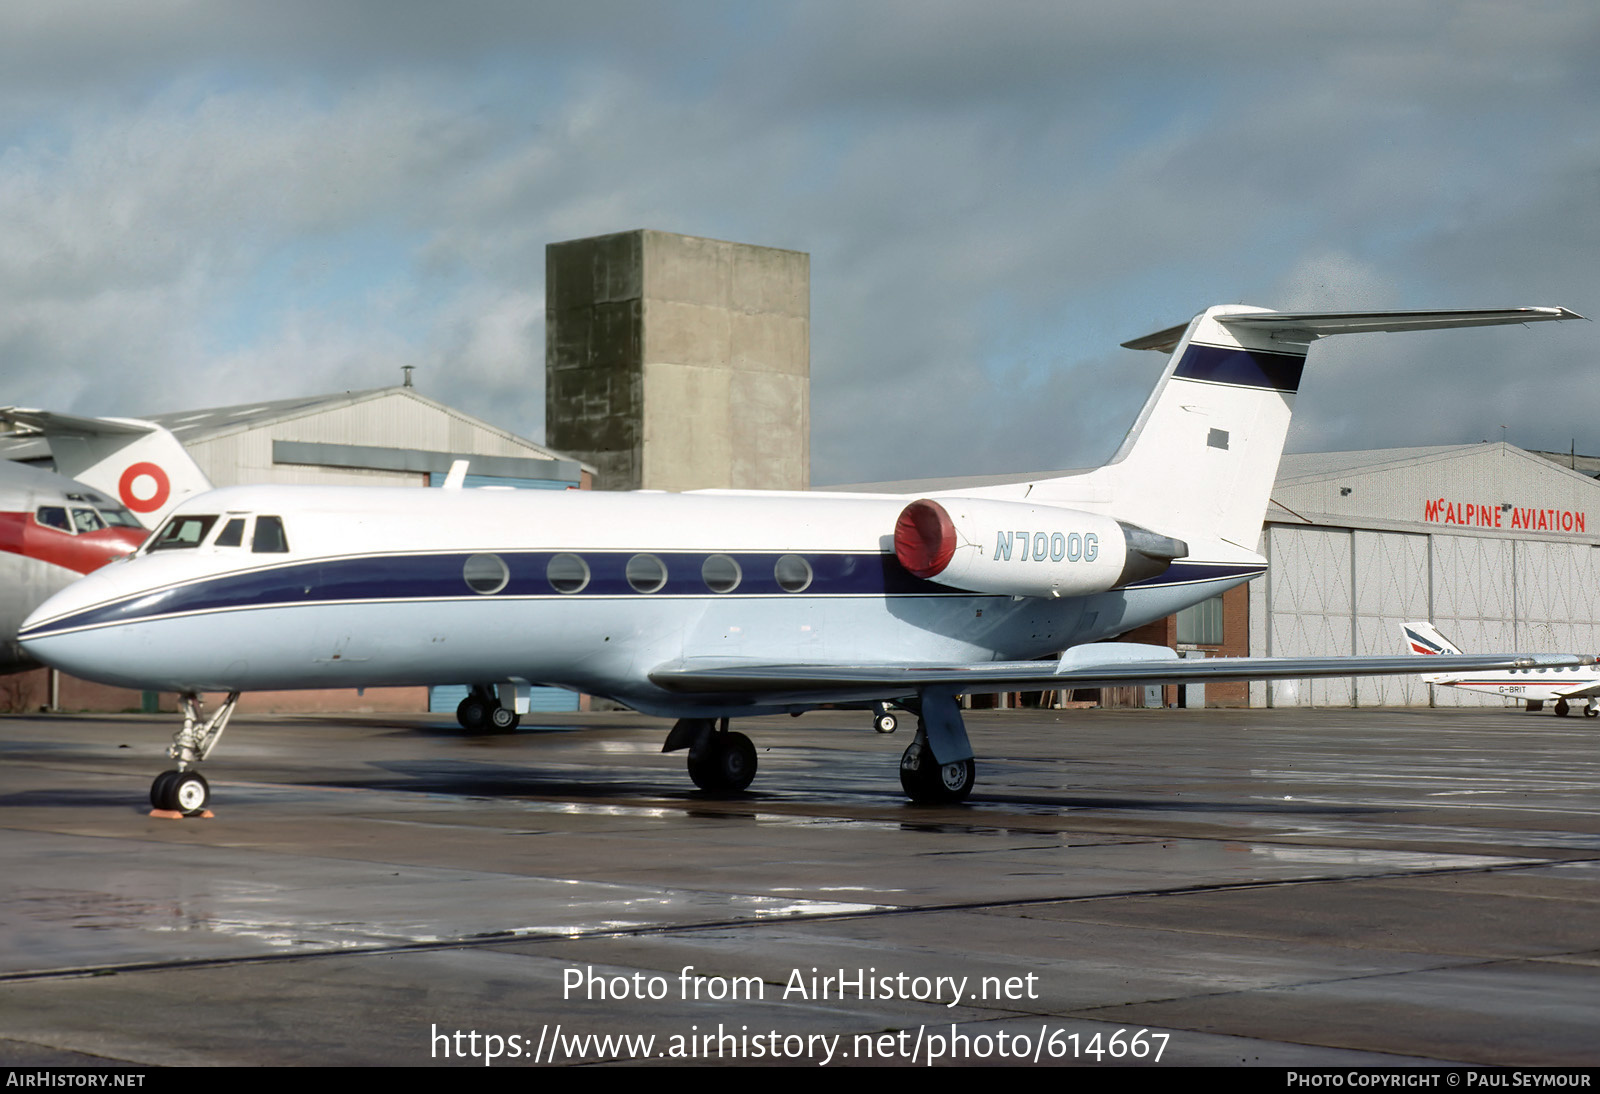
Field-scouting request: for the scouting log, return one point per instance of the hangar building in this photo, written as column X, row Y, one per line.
column 1497, row 546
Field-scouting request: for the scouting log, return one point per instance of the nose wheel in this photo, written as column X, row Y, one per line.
column 185, row 792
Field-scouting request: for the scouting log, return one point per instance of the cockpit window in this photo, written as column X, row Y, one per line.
column 53, row 516
column 87, row 516
column 182, row 531
column 87, row 520
column 232, row 533
column 118, row 517
column 269, row 537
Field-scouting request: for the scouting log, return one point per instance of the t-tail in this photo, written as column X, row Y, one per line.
column 1200, row 461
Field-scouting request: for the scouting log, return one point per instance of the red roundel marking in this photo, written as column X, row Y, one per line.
column 924, row 538
column 154, row 501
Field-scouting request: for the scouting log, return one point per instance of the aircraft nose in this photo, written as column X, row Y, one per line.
column 86, row 592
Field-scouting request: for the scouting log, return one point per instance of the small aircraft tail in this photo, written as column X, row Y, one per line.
column 139, row 463
column 1424, row 638
column 1200, row 461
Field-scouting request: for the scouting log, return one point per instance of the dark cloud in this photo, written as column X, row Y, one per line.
column 206, row 203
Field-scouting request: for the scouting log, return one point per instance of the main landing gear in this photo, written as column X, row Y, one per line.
column 926, row 781
column 184, row 790
column 482, row 712
column 720, row 761
column 937, row 768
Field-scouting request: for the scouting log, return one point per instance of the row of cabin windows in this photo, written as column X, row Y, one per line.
column 567, row 573
column 191, row 530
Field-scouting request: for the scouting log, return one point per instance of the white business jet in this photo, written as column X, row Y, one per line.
column 710, row 605
column 1535, row 685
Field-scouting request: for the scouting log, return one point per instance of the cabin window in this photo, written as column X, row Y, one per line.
column 721, row 574
column 485, row 573
column 53, row 516
column 269, row 538
column 182, row 531
column 232, row 534
column 646, row 573
column 567, row 573
column 793, row 573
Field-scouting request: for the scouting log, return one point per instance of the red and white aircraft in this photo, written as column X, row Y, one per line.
column 115, row 479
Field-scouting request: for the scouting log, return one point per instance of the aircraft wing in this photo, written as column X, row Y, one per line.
column 1585, row 692
column 848, row 682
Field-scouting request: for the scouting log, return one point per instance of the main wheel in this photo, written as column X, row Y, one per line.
column 1562, row 708
column 502, row 720
column 928, row 783
column 473, row 714
column 161, row 790
column 190, row 793
column 725, row 764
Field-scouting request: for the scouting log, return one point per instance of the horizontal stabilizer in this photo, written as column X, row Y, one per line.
column 1303, row 327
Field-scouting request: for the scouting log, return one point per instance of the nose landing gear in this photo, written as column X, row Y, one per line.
column 182, row 789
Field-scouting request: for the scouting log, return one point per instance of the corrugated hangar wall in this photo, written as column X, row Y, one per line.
column 1475, row 538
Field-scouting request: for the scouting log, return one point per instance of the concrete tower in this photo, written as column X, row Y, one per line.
column 679, row 363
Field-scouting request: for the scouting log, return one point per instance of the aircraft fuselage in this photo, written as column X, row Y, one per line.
column 588, row 591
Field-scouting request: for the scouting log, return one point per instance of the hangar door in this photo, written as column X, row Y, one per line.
column 1333, row 591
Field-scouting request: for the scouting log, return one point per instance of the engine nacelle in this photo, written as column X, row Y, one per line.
column 1026, row 550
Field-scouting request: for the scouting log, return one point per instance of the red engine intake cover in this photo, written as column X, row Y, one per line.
column 924, row 538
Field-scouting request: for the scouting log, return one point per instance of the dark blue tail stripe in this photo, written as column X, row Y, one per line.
column 1241, row 367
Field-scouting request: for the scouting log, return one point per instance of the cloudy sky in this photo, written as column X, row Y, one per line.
column 204, row 203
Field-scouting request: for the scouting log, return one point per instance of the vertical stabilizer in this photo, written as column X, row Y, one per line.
column 1200, row 461
column 1202, row 456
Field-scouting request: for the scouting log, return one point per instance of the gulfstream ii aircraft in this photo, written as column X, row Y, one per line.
column 710, row 605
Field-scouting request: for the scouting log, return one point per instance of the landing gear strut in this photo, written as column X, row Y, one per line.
column 720, row 761
column 184, row 790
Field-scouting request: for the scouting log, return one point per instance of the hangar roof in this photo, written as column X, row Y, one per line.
column 1491, row 489
column 197, row 427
